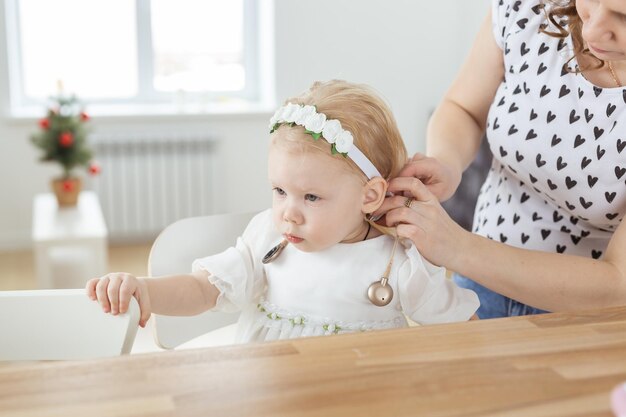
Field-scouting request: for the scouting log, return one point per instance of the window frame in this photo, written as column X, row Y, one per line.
column 146, row 95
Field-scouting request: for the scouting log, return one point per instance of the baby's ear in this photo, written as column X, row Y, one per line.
column 374, row 194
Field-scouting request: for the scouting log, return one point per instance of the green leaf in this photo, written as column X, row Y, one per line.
column 316, row 136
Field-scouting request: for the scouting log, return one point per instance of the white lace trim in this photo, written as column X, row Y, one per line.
column 274, row 316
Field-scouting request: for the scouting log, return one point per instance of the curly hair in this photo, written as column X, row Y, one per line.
column 563, row 16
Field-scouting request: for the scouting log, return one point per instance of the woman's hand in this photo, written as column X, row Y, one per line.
column 435, row 235
column 441, row 180
column 113, row 292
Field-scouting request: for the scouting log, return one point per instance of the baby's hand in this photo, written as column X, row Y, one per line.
column 113, row 292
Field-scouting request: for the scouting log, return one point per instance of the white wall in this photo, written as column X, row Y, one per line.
column 409, row 50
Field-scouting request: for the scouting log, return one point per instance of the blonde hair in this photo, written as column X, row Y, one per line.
column 360, row 111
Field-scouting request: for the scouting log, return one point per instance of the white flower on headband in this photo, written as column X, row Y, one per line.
column 273, row 122
column 316, row 125
column 288, row 112
column 301, row 113
column 344, row 141
column 315, row 122
column 332, row 129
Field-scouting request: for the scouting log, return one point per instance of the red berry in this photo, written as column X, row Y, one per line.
column 66, row 139
column 68, row 185
column 94, row 168
column 44, row 124
column 84, row 116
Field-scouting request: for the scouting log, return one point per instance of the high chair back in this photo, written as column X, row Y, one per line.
column 62, row 325
column 173, row 252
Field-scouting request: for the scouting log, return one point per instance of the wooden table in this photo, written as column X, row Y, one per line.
column 550, row 365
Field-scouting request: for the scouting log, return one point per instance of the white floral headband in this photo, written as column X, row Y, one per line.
column 316, row 125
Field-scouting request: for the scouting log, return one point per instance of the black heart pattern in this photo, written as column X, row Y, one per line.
column 541, row 68
column 564, row 137
column 578, row 141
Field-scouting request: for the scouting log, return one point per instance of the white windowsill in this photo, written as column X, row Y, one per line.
column 109, row 112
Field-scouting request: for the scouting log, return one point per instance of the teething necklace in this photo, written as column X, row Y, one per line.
column 277, row 250
column 379, row 293
column 274, row 252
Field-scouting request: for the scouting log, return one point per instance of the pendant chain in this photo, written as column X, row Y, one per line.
column 615, row 78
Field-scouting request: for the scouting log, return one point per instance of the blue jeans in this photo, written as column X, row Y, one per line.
column 492, row 304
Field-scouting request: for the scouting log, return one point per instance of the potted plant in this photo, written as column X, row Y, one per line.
column 63, row 138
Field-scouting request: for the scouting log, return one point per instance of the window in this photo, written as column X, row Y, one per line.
column 133, row 52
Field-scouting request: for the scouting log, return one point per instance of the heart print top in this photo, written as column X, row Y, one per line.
column 558, row 178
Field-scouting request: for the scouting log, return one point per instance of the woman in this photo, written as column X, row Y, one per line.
column 545, row 83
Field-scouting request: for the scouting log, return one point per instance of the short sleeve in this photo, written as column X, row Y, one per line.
column 427, row 296
column 238, row 272
column 498, row 21
column 507, row 17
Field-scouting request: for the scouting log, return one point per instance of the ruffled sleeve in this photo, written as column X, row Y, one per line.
column 238, row 272
column 427, row 296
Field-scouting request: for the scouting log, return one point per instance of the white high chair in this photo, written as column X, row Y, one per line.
column 173, row 252
column 62, row 325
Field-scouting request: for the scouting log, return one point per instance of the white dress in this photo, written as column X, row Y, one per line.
column 321, row 293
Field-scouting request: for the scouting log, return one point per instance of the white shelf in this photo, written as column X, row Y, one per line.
column 70, row 243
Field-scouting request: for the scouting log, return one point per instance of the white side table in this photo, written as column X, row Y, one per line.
column 70, row 244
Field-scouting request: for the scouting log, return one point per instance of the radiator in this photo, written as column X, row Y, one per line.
column 148, row 181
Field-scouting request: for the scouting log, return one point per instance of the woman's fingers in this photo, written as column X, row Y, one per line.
column 411, row 187
column 441, row 180
column 423, row 221
column 418, row 156
column 403, row 188
column 420, row 167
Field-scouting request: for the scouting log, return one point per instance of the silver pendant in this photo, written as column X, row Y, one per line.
column 274, row 252
column 380, row 293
